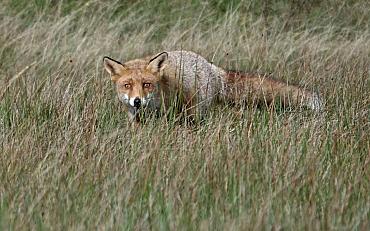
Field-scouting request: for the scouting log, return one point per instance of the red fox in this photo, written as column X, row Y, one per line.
column 154, row 82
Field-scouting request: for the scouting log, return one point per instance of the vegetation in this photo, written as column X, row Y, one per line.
column 70, row 160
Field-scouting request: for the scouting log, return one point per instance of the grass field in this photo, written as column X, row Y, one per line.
column 70, row 160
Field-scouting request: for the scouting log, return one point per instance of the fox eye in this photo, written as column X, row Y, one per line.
column 127, row 85
column 147, row 85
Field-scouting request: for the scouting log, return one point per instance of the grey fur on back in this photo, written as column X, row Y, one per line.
column 194, row 70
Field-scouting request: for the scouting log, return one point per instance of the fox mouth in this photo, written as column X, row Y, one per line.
column 137, row 108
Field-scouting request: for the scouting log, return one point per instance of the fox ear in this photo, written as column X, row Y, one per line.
column 158, row 62
column 113, row 67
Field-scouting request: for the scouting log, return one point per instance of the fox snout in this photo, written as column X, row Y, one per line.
column 136, row 101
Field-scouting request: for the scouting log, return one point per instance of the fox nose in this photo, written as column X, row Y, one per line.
column 137, row 102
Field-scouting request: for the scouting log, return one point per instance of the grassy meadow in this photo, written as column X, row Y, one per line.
column 70, row 160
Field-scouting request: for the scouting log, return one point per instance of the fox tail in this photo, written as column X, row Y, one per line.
column 267, row 90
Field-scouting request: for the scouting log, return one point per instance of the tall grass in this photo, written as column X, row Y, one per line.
column 70, row 160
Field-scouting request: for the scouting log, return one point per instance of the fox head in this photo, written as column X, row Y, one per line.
column 137, row 81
